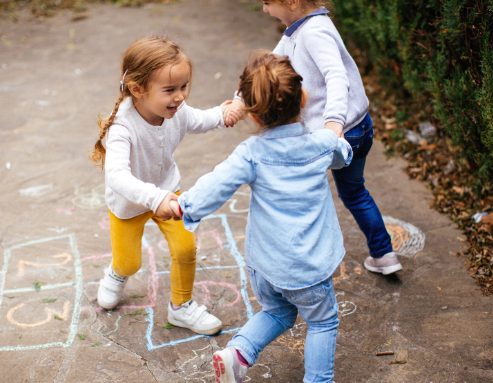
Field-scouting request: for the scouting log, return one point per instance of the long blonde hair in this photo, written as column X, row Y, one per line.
column 271, row 89
column 140, row 60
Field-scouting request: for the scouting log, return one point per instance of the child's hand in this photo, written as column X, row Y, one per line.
column 335, row 127
column 232, row 112
column 164, row 210
column 175, row 208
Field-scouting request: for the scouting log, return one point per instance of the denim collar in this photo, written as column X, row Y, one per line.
column 290, row 30
column 282, row 131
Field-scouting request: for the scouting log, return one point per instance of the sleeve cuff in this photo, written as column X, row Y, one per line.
column 349, row 152
column 188, row 223
column 238, row 96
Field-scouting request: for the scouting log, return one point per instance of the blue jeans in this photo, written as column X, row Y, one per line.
column 350, row 185
column 318, row 307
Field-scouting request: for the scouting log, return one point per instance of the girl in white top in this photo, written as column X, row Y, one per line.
column 148, row 122
column 336, row 101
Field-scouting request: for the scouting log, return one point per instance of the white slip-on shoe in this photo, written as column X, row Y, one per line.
column 110, row 289
column 387, row 264
column 194, row 317
column 228, row 367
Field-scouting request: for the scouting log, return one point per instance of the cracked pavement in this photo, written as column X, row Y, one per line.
column 56, row 76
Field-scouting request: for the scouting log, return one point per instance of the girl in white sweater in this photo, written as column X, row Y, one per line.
column 148, row 122
column 336, row 101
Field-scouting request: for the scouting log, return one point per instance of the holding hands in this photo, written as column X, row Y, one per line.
column 232, row 112
column 169, row 208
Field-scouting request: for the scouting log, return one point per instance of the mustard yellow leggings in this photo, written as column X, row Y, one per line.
column 126, row 243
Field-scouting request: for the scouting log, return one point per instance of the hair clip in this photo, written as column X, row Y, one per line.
column 123, row 79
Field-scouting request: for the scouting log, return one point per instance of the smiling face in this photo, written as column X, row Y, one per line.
column 168, row 88
column 282, row 11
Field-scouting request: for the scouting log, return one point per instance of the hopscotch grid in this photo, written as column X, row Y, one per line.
column 78, row 290
column 240, row 261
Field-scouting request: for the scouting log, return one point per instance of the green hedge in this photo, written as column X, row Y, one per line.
column 439, row 52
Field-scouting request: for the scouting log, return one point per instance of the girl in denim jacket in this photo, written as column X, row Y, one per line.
column 337, row 101
column 293, row 241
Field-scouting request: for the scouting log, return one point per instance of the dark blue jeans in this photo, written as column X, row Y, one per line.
column 351, row 190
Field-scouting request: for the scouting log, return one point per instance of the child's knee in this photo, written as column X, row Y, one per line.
column 127, row 268
column 185, row 254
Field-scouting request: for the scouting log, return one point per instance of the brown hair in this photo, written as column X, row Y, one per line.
column 140, row 61
column 271, row 89
column 306, row 3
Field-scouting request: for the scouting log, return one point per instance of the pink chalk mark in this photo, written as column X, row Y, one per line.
column 216, row 236
column 105, row 223
column 163, row 245
column 96, row 257
column 207, row 294
column 152, row 284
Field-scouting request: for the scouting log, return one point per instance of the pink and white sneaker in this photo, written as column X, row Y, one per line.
column 229, row 369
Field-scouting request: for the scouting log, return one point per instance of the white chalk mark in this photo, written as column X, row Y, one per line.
column 36, row 191
column 93, row 200
column 232, row 203
column 346, row 307
column 57, row 229
column 42, row 288
column 78, row 290
column 414, row 240
column 111, row 332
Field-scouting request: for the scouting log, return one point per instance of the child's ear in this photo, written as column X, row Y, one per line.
column 293, row 4
column 304, row 97
column 136, row 90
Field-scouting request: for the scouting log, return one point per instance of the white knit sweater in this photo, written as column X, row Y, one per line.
column 140, row 168
column 330, row 75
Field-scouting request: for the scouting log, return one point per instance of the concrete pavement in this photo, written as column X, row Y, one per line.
column 56, row 76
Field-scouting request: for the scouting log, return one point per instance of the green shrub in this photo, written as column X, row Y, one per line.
column 436, row 51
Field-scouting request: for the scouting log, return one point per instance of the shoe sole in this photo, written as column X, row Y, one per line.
column 384, row 270
column 106, row 306
column 220, row 369
column 211, row 331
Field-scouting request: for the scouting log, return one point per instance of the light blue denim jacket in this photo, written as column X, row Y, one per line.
column 293, row 236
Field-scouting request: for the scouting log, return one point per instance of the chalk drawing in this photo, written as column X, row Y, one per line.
column 197, row 368
column 152, row 281
column 407, row 239
column 36, row 191
column 57, row 229
column 22, row 264
column 214, row 233
column 200, row 367
column 93, row 200
column 105, row 222
column 232, row 203
column 77, row 294
column 342, row 269
column 345, row 307
column 50, row 313
column 112, row 331
column 240, row 265
column 66, row 211
column 207, row 295
column 294, row 339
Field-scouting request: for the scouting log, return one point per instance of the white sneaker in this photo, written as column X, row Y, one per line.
column 227, row 366
column 110, row 289
column 388, row 264
column 194, row 317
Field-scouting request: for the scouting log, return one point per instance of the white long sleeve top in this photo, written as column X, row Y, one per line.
column 140, row 169
column 330, row 75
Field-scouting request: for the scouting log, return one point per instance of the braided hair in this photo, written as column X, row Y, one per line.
column 139, row 62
